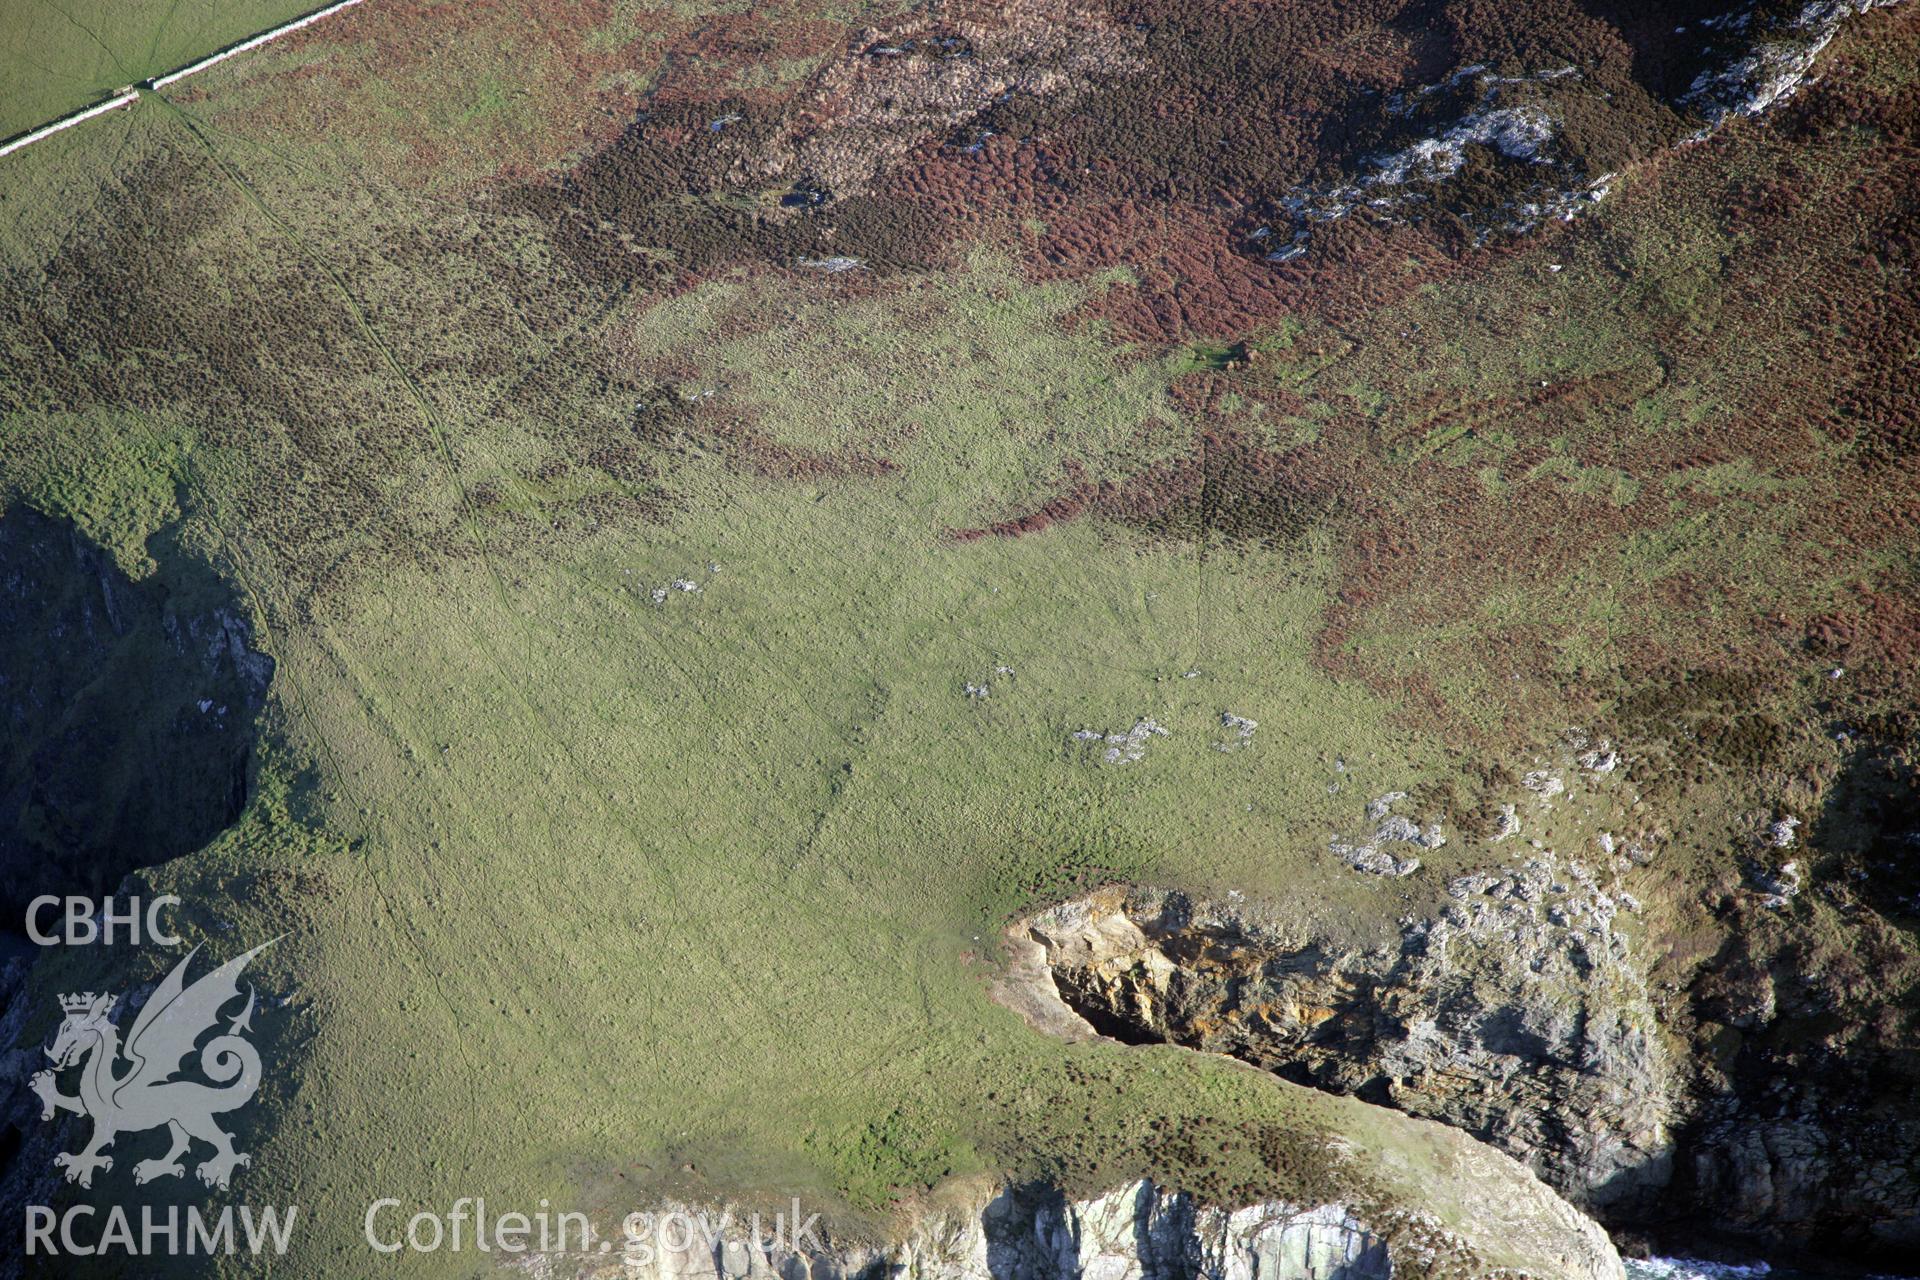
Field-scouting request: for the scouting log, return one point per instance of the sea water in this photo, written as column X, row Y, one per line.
column 1699, row 1269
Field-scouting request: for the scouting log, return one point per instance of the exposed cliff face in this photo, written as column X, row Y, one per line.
column 129, row 711
column 1803, row 1127
column 1519, row 1015
column 1143, row 1232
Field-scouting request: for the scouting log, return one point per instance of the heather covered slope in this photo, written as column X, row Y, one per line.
column 742, row 506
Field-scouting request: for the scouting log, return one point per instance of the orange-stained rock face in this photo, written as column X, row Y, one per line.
column 1518, row 1013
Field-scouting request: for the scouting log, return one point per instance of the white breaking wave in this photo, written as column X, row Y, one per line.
column 1692, row 1269
column 1701, row 1269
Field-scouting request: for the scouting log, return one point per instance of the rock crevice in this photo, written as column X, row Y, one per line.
column 1516, row 1014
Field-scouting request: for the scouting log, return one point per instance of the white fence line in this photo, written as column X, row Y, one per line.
column 253, row 43
column 122, row 97
column 67, row 122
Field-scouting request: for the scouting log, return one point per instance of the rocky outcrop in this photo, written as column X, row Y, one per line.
column 1768, row 65
column 1747, row 1107
column 1517, row 1015
column 1137, row 1232
column 1515, row 126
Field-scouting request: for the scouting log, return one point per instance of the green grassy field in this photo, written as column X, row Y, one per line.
column 56, row 58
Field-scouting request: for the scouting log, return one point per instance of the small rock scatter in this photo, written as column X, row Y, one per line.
column 1390, row 828
column 1544, row 783
column 1124, row 748
column 1378, row 807
column 1777, row 888
column 1242, row 729
column 684, row 585
column 1603, row 759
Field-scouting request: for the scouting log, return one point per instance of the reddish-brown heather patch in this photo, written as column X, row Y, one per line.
column 1881, row 627
column 1069, row 505
column 976, row 192
column 731, row 58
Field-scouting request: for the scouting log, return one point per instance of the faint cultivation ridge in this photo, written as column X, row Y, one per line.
column 122, row 97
